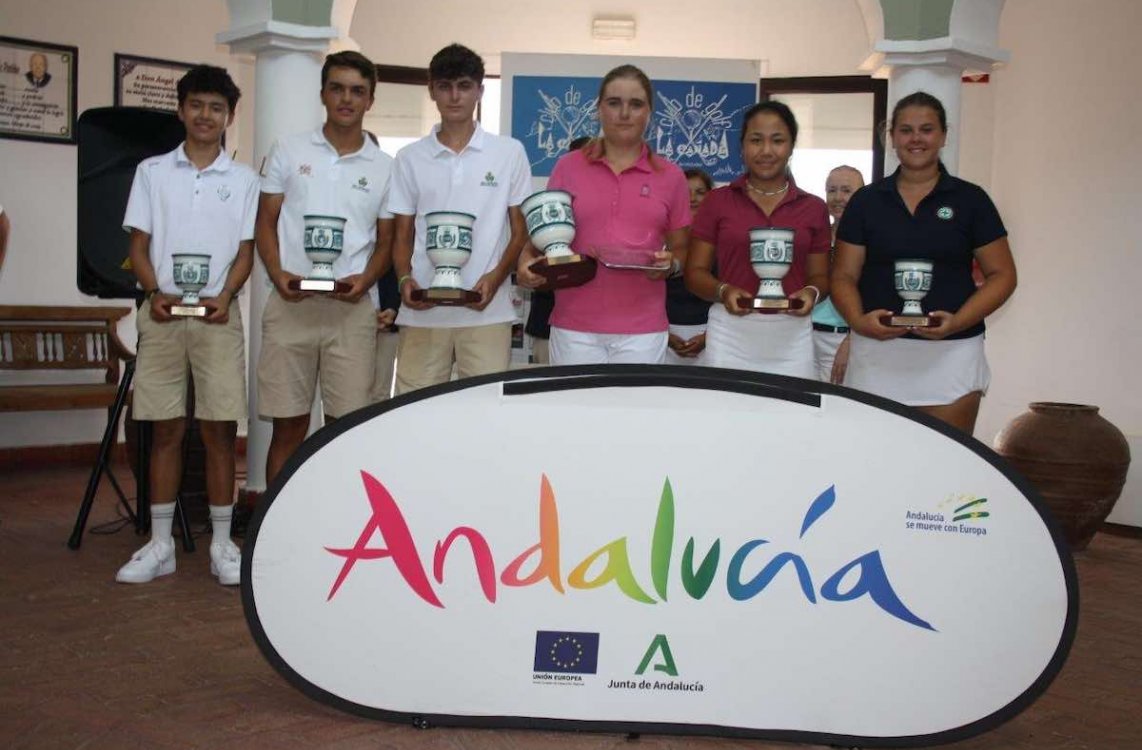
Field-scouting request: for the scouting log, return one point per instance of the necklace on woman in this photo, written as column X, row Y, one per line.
column 766, row 193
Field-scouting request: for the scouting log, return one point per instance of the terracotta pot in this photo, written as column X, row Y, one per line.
column 1075, row 459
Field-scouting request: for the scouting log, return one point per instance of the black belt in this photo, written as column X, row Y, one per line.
column 830, row 329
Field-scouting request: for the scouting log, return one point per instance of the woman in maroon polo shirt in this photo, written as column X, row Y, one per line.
column 765, row 196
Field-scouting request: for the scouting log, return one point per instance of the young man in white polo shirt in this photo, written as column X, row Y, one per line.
column 458, row 167
column 335, row 170
column 192, row 200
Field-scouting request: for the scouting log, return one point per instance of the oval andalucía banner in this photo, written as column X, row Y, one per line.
column 656, row 549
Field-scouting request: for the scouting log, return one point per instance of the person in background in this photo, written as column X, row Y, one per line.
column 193, row 198
column 921, row 211
column 764, row 196
column 543, row 300
column 687, row 313
column 830, row 331
column 388, row 337
column 623, row 197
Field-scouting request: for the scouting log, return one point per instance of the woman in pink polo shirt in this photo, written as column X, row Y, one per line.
column 627, row 202
column 765, row 196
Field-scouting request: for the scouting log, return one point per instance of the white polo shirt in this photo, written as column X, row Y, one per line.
column 317, row 180
column 185, row 210
column 489, row 175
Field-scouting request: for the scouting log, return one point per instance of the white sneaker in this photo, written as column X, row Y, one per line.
column 152, row 560
column 226, row 562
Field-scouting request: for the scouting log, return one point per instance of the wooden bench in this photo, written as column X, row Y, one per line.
column 43, row 338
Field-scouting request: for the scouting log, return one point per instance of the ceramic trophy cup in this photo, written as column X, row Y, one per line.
column 324, row 238
column 191, row 272
column 448, row 242
column 913, row 280
column 551, row 225
column 771, row 255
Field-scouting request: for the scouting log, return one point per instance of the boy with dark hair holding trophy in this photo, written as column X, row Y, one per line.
column 191, row 218
column 325, row 239
column 459, row 185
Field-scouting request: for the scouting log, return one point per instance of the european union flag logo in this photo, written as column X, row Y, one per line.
column 576, row 653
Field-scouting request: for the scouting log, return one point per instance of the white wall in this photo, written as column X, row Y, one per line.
column 38, row 180
column 1067, row 160
column 1067, row 156
column 806, row 37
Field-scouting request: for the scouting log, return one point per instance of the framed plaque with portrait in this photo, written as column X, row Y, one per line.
column 37, row 90
column 148, row 82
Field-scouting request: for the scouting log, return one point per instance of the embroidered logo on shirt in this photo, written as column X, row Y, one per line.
column 223, row 193
column 362, row 184
column 305, row 170
column 645, row 192
column 489, row 181
column 945, row 213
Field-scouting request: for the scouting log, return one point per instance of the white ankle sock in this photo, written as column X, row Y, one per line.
column 162, row 518
column 220, row 516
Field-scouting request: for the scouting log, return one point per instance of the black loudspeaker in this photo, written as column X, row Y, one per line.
column 112, row 141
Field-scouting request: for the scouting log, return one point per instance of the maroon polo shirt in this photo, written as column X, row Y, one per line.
column 726, row 216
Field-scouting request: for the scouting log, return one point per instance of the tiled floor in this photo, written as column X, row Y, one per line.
column 87, row 663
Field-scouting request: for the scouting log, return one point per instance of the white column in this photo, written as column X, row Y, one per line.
column 288, row 60
column 936, row 66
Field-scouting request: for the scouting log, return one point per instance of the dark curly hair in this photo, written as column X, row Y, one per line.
column 208, row 79
column 456, row 61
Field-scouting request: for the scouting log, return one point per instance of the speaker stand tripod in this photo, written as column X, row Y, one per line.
column 141, row 515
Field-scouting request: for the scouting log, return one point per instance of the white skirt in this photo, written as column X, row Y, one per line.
column 825, row 345
column 917, row 372
column 686, row 333
column 777, row 343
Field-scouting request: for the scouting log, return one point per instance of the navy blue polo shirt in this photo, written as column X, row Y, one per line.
column 950, row 223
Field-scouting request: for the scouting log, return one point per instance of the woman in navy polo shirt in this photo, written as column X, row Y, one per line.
column 765, row 196
column 923, row 212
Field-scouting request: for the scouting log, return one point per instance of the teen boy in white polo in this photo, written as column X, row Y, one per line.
column 457, row 167
column 192, row 200
column 335, row 170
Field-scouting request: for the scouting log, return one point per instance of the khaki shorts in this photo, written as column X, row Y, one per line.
column 425, row 355
column 216, row 355
column 316, row 334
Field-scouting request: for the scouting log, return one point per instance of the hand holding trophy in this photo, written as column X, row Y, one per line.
column 448, row 242
column 191, row 274
column 324, row 238
column 913, row 280
column 551, row 225
column 771, row 255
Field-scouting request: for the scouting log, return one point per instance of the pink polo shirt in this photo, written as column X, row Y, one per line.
column 726, row 216
column 632, row 210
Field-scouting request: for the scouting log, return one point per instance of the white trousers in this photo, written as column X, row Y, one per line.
column 581, row 348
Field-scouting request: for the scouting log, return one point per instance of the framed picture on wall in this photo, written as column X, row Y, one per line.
column 37, row 90
column 148, row 82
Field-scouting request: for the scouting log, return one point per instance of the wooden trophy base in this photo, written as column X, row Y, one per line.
column 188, row 311
column 908, row 321
column 769, row 306
column 446, row 297
column 565, row 271
column 321, row 286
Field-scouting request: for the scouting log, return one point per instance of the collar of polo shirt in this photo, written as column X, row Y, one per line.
column 221, row 163
column 943, row 183
column 476, row 142
column 368, row 150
